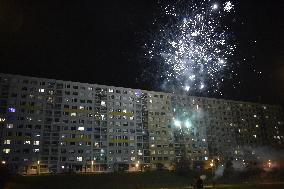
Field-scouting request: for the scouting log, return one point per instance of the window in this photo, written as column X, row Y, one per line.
column 6, row 150
column 27, row 142
column 41, row 90
column 12, row 109
column 79, row 158
column 103, row 103
column 10, row 126
column 73, row 114
column 7, row 141
column 36, row 150
column 81, row 128
column 36, row 142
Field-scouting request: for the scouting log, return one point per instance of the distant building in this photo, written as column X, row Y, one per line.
column 58, row 126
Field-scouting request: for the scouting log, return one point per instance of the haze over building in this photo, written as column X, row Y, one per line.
column 53, row 125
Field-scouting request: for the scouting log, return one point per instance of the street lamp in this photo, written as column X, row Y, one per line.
column 212, row 167
column 137, row 165
column 38, row 167
column 269, row 163
column 92, row 167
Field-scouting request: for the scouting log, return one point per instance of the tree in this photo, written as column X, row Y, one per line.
column 183, row 166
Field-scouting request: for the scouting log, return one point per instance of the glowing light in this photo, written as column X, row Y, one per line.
column 188, row 124
column 186, row 88
column 3, row 162
column 81, row 128
column 12, row 109
column 215, row 6
column 177, row 123
column 6, row 150
column 137, row 93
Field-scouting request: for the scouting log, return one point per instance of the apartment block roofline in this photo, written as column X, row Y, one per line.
column 142, row 90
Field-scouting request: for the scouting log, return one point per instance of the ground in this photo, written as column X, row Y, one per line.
column 152, row 180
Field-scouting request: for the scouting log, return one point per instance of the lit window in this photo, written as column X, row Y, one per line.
column 41, row 90
column 12, row 109
column 152, row 145
column 140, row 152
column 36, row 150
column 6, row 150
column 110, row 90
column 27, row 142
column 103, row 103
column 256, row 125
column 81, row 128
column 10, row 126
column 254, row 136
column 7, row 141
column 90, row 88
column 254, row 115
column 79, row 159
column 2, row 119
column 81, row 107
column 203, row 140
column 206, row 158
column 73, row 114
column 36, row 142
column 137, row 93
column 132, row 158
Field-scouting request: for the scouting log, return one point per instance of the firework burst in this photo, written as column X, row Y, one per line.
column 192, row 45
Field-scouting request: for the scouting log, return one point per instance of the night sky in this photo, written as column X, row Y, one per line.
column 103, row 42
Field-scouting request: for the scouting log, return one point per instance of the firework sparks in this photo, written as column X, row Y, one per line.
column 228, row 6
column 193, row 46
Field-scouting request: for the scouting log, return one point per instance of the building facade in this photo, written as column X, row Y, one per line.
column 58, row 126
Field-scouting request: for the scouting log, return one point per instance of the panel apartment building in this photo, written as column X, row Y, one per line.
column 49, row 125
